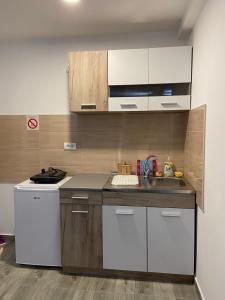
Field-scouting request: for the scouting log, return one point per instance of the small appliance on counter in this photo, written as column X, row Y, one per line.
column 50, row 176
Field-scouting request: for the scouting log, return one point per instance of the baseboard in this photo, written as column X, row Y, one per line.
column 199, row 289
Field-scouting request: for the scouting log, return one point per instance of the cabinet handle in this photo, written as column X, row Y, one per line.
column 128, row 106
column 170, row 213
column 80, row 211
column 80, row 197
column 124, row 212
column 169, row 103
column 88, row 106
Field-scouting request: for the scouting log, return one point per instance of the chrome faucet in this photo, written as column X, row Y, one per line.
column 146, row 169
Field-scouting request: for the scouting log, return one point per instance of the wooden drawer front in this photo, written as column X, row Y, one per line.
column 149, row 199
column 128, row 104
column 80, row 197
column 124, row 238
column 81, row 231
column 171, row 240
column 170, row 103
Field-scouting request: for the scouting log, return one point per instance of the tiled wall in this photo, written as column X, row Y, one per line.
column 102, row 140
column 194, row 152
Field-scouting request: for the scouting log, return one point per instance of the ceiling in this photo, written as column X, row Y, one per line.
column 55, row 18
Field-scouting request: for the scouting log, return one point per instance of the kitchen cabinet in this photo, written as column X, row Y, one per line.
column 81, row 229
column 128, row 67
column 138, row 223
column 88, row 82
column 128, row 104
column 171, row 240
column 124, row 238
column 170, row 65
column 169, row 103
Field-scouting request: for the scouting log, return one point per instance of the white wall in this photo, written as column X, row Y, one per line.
column 208, row 87
column 33, row 76
column 33, row 81
column 6, row 209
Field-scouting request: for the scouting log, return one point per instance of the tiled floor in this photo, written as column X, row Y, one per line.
column 30, row 283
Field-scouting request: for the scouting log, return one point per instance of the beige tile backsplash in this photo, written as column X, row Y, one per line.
column 194, row 152
column 102, row 140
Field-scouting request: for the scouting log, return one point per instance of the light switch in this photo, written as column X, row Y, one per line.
column 70, row 146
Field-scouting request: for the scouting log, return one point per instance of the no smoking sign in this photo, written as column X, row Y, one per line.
column 32, row 122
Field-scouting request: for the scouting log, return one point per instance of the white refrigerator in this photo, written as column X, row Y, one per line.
column 37, row 223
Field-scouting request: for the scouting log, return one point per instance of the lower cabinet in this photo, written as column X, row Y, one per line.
column 149, row 239
column 124, row 238
column 171, row 240
column 81, row 231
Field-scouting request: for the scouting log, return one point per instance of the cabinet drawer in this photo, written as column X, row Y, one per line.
column 124, row 238
column 128, row 104
column 170, row 103
column 171, row 240
column 80, row 197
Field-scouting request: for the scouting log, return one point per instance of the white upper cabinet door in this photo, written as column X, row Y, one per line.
column 170, row 65
column 127, row 67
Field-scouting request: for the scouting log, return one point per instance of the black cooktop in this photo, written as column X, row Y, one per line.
column 48, row 176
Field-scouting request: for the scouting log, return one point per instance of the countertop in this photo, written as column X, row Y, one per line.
column 153, row 187
column 102, row 182
column 93, row 182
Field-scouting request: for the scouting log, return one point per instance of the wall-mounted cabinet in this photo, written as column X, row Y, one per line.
column 154, row 97
column 161, row 75
column 170, row 65
column 128, row 104
column 130, row 79
column 169, row 103
column 88, row 82
column 128, row 67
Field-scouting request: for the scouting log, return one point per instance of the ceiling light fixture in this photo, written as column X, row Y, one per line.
column 71, row 1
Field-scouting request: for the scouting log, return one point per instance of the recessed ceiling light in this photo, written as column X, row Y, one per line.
column 71, row 1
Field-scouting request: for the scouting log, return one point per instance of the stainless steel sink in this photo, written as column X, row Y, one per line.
column 166, row 182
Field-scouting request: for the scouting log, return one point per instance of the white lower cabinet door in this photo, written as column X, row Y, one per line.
column 124, row 238
column 171, row 240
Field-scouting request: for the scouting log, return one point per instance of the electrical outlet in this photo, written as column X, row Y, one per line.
column 70, row 146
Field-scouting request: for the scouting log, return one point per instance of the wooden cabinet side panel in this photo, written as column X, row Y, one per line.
column 88, row 83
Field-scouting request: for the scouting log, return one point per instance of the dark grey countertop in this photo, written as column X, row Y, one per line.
column 94, row 182
column 102, row 182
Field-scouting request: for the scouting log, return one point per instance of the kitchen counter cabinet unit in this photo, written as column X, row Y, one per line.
column 134, row 233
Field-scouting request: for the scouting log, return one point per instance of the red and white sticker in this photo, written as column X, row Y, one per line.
column 32, row 122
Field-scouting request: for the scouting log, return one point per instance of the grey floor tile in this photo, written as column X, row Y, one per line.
column 35, row 283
